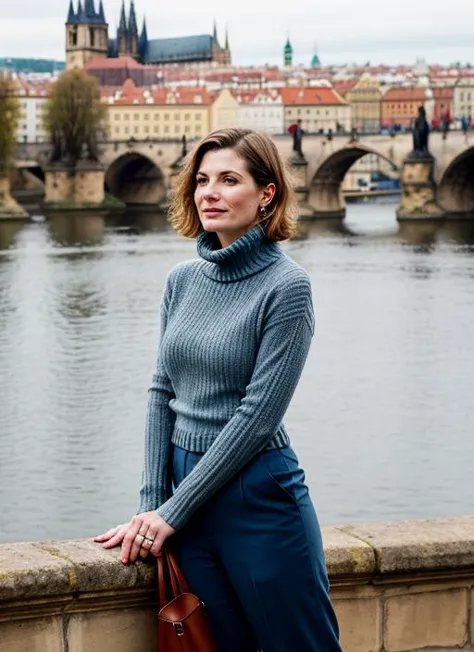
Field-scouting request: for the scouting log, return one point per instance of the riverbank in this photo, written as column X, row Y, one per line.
column 396, row 586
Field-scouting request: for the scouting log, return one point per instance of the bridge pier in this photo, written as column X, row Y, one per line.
column 76, row 188
column 9, row 207
column 299, row 166
column 419, row 191
column 326, row 199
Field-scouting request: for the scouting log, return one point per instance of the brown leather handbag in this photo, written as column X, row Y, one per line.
column 182, row 622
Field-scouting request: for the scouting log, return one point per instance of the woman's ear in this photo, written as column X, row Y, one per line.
column 268, row 194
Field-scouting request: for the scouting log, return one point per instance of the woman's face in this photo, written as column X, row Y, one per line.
column 227, row 199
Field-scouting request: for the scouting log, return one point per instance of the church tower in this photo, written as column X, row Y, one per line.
column 86, row 34
column 288, row 54
column 220, row 54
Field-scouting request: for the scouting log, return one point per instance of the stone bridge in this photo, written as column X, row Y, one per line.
column 140, row 172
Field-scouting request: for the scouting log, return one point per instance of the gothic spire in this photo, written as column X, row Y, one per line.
column 143, row 41
column 101, row 12
column 132, row 21
column 144, row 32
column 89, row 9
column 214, row 35
column 71, row 14
column 81, row 16
column 226, row 46
column 123, row 21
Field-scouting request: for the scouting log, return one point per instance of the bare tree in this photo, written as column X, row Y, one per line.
column 9, row 118
column 75, row 118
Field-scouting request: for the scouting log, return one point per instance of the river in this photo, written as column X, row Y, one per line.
column 381, row 420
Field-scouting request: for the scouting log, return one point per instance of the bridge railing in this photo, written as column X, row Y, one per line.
column 396, row 587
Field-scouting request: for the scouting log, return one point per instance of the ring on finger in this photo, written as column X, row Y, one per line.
column 146, row 543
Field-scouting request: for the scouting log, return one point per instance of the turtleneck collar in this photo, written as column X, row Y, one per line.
column 247, row 256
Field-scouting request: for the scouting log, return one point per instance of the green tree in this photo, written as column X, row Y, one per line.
column 9, row 118
column 75, row 118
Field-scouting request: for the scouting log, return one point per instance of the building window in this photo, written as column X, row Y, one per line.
column 187, row 116
column 197, row 116
column 136, row 116
column 167, row 129
column 126, row 116
column 146, row 129
column 176, row 116
column 176, row 129
column 157, row 116
column 146, row 116
column 187, row 129
column 198, row 129
column 156, row 129
column 126, row 130
column 117, row 116
column 135, row 130
column 167, row 116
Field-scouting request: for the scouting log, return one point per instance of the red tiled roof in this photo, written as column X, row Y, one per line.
column 102, row 63
column 401, row 94
column 312, row 95
column 186, row 95
column 344, row 86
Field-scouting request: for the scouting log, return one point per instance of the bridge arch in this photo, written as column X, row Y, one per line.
column 135, row 179
column 325, row 193
column 456, row 186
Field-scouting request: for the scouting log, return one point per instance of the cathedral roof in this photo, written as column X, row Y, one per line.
column 185, row 48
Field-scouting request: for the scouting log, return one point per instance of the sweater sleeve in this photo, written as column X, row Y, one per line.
column 282, row 352
column 159, row 426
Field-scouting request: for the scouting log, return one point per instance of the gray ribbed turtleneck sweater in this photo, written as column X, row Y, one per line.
column 236, row 327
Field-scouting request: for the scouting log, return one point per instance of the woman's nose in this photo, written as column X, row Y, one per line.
column 210, row 191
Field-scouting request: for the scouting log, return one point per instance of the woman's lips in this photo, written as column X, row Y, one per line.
column 213, row 212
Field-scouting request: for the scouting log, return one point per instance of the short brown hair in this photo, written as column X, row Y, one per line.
column 265, row 165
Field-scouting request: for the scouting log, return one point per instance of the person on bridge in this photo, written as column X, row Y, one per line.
column 220, row 478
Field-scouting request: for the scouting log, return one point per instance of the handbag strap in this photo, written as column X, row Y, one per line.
column 178, row 581
column 162, row 600
column 171, row 582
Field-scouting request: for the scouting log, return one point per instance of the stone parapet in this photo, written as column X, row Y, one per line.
column 397, row 587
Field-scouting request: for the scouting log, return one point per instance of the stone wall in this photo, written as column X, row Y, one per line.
column 396, row 587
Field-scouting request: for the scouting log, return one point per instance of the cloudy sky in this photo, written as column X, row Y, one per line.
column 342, row 30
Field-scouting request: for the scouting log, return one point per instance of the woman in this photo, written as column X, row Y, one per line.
column 220, row 477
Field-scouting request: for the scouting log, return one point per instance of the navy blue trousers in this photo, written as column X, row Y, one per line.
column 253, row 553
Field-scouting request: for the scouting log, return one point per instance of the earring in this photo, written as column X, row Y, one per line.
column 263, row 211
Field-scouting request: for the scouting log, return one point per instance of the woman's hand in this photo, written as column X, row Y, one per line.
column 143, row 534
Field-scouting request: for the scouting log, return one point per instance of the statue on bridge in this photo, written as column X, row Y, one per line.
column 420, row 136
column 297, row 133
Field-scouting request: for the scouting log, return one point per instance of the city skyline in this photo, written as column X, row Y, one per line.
column 363, row 35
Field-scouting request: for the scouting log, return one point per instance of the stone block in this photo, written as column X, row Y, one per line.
column 122, row 630
column 359, row 624
column 98, row 569
column 28, row 571
column 419, row 545
column 436, row 619
column 346, row 555
column 471, row 618
column 38, row 635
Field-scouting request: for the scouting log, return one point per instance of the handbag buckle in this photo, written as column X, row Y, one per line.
column 178, row 628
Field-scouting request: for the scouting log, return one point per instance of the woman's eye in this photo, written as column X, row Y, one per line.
column 230, row 180
column 201, row 181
